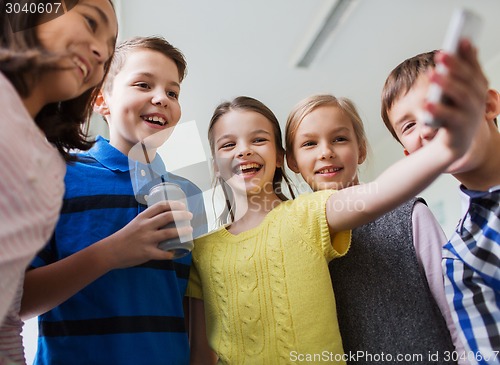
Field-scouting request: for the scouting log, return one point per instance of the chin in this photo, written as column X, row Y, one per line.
column 460, row 166
column 328, row 185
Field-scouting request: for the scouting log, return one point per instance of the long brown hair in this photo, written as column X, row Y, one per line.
column 23, row 60
column 248, row 104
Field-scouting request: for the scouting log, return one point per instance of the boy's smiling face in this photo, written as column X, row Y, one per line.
column 144, row 99
column 413, row 134
column 405, row 113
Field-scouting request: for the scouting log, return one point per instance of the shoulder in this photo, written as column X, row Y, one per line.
column 305, row 205
column 405, row 210
column 83, row 162
column 216, row 235
column 321, row 196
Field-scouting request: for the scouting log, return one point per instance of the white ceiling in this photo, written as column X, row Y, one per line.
column 247, row 47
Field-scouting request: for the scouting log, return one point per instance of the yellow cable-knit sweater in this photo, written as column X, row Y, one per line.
column 267, row 291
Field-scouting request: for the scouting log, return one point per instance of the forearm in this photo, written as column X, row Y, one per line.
column 201, row 353
column 358, row 205
column 49, row 286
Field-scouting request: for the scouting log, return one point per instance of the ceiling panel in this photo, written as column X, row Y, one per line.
column 236, row 47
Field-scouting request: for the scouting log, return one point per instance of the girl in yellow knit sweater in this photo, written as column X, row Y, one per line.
column 261, row 286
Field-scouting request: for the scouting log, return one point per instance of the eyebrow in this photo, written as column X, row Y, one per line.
column 336, row 130
column 258, row 131
column 151, row 76
column 101, row 13
column 104, row 19
column 401, row 120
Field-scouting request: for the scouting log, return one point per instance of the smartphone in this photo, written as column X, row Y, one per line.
column 464, row 23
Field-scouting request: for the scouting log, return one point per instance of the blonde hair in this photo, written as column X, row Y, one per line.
column 306, row 106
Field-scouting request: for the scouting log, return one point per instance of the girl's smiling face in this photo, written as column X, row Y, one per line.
column 86, row 36
column 245, row 153
column 325, row 150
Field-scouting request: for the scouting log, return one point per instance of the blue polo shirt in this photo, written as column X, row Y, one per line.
column 127, row 316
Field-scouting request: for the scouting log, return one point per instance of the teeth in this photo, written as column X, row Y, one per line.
column 156, row 119
column 82, row 66
column 248, row 166
column 329, row 170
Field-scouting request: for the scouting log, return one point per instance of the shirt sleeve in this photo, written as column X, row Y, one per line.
column 429, row 239
column 310, row 214
column 11, row 342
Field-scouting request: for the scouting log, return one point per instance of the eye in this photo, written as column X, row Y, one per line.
column 92, row 23
column 173, row 94
column 340, row 139
column 227, row 145
column 259, row 140
column 142, row 85
column 308, row 144
column 408, row 127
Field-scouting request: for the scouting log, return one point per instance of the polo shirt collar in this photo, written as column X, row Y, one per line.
column 115, row 160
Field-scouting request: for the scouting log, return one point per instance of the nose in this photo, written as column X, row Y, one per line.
column 160, row 99
column 100, row 51
column 245, row 151
column 426, row 133
column 326, row 152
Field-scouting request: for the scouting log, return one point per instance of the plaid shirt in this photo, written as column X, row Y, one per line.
column 471, row 263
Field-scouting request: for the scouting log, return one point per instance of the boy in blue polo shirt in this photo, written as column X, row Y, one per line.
column 106, row 293
column 471, row 259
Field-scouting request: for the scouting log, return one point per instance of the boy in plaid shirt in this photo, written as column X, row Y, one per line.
column 471, row 259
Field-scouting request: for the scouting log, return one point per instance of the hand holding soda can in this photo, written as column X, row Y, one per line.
column 182, row 245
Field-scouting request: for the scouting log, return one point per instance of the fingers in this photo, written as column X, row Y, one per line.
column 185, row 232
column 180, row 217
column 164, row 206
column 464, row 85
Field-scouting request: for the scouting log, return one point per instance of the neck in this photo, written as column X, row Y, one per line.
column 139, row 152
column 486, row 175
column 252, row 206
column 33, row 103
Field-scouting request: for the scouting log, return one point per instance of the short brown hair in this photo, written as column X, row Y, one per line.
column 154, row 43
column 401, row 80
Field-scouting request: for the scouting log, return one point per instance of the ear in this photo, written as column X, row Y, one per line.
column 292, row 163
column 100, row 105
column 280, row 159
column 216, row 169
column 362, row 155
column 492, row 105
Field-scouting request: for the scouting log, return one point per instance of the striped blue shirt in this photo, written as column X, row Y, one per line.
column 471, row 263
column 128, row 316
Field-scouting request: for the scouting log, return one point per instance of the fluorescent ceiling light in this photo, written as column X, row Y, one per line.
column 325, row 29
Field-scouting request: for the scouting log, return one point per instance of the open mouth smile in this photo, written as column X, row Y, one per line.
column 155, row 119
column 328, row 170
column 247, row 168
column 82, row 66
